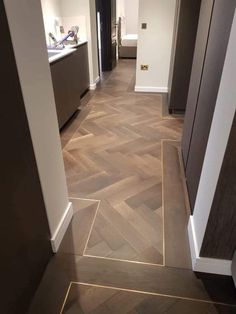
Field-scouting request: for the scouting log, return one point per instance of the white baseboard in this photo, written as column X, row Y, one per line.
column 203, row 264
column 62, row 227
column 93, row 86
column 149, row 89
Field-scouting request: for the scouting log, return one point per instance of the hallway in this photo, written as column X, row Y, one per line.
column 126, row 249
column 115, row 157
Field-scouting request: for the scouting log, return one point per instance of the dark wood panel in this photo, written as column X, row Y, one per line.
column 220, row 237
column 83, row 68
column 107, row 10
column 67, row 88
column 183, row 53
column 24, row 231
column 215, row 56
column 196, row 76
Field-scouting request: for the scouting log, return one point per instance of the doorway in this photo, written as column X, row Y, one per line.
column 107, row 34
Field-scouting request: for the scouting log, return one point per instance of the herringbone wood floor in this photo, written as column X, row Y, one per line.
column 115, row 156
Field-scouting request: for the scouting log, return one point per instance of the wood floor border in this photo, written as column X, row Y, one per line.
column 139, row 292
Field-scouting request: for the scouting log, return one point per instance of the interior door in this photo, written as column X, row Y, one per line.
column 107, row 12
column 113, row 33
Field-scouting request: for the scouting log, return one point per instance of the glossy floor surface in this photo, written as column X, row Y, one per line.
column 126, row 249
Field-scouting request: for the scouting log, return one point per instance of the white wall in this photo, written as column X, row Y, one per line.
column 26, row 25
column 129, row 10
column 52, row 17
column 120, row 8
column 154, row 44
column 83, row 13
column 131, row 16
column 217, row 143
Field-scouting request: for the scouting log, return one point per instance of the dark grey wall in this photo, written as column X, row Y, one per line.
column 196, row 76
column 220, row 237
column 24, row 230
column 202, row 109
column 182, row 53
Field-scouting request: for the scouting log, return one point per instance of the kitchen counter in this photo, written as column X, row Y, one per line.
column 57, row 54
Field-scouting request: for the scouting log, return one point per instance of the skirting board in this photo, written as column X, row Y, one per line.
column 62, row 227
column 203, row 264
column 93, row 86
column 149, row 89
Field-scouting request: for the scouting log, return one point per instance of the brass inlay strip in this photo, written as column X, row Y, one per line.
column 142, row 292
column 91, row 229
column 84, row 199
column 163, row 204
column 66, row 296
column 122, row 260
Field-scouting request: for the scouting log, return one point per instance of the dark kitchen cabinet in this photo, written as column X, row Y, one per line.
column 70, row 77
column 81, row 55
column 66, row 87
column 212, row 39
column 186, row 23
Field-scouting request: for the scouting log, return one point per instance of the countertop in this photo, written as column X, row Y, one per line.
column 59, row 54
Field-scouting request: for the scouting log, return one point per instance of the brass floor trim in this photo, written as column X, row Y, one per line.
column 65, row 299
column 163, row 204
column 141, row 292
column 91, row 229
column 84, row 199
column 123, row 260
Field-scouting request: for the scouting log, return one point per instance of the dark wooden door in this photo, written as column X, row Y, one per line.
column 196, row 76
column 113, row 33
column 220, row 26
column 187, row 16
column 107, row 10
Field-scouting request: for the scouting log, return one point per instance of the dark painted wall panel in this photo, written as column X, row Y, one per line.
column 196, row 76
column 183, row 53
column 24, row 231
column 107, row 10
column 220, row 237
column 215, row 56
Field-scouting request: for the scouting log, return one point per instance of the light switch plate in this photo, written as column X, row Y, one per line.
column 144, row 26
